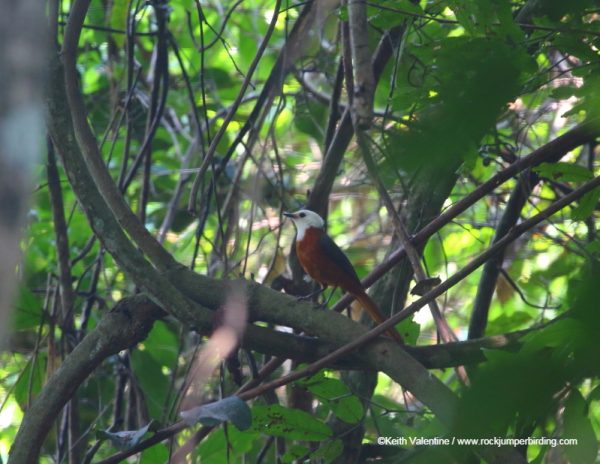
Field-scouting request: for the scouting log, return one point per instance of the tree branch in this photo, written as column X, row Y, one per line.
column 363, row 78
column 577, row 136
column 127, row 324
column 489, row 275
column 89, row 147
column 512, row 235
column 100, row 217
column 337, row 148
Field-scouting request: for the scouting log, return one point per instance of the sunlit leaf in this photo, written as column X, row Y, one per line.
column 293, row 424
column 564, row 172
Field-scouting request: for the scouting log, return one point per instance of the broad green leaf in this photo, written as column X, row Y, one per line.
column 469, row 97
column 577, row 425
column 386, row 15
column 310, row 118
column 118, row 20
column 28, row 310
column 295, row 452
column 410, row 330
column 593, row 247
column 564, row 172
column 31, row 380
column 154, row 454
column 293, row 424
column 557, row 9
column 347, row 408
column 484, row 16
column 586, row 206
column 335, row 394
column 562, row 93
column 213, row 449
column 161, row 344
column 152, row 380
column 324, row 387
column 328, row 451
column 506, row 322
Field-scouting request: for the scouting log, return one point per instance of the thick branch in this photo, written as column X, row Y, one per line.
column 89, row 146
column 100, row 217
column 127, row 324
column 489, row 275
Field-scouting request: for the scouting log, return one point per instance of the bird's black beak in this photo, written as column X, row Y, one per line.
column 290, row 215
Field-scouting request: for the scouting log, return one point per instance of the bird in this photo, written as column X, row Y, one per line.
column 327, row 264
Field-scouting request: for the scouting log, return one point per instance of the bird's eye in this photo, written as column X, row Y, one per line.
column 302, row 214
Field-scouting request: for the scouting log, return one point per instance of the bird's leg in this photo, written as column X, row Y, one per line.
column 325, row 304
column 312, row 294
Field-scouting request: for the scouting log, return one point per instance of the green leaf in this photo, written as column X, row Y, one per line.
column 310, row 118
column 562, row 93
column 28, row 310
column 485, row 17
column 577, row 425
column 329, row 451
column 556, row 9
column 154, row 454
column 324, row 387
column 565, row 172
column 410, row 330
column 586, row 206
column 348, row 408
column 293, row 424
column 472, row 88
column 30, row 382
column 594, row 395
column 220, row 78
column 593, row 247
column 231, row 409
column 507, row 322
column 211, row 449
column 295, row 452
column 335, row 394
column 392, row 14
column 162, row 344
column 153, row 382
column 118, row 20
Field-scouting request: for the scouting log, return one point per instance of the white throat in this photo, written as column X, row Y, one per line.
column 304, row 220
column 301, row 228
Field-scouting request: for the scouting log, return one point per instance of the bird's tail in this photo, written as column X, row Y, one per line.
column 365, row 300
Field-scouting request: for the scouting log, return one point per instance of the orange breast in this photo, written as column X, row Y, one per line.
column 321, row 267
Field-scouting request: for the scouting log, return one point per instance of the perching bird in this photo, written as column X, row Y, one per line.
column 326, row 263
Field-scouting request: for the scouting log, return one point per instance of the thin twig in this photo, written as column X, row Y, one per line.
column 210, row 153
column 563, row 144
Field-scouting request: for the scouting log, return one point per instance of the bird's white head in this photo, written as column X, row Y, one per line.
column 304, row 219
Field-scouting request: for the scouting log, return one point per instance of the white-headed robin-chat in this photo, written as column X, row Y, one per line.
column 327, row 264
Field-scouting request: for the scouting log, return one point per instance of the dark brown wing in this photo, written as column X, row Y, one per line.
column 333, row 252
